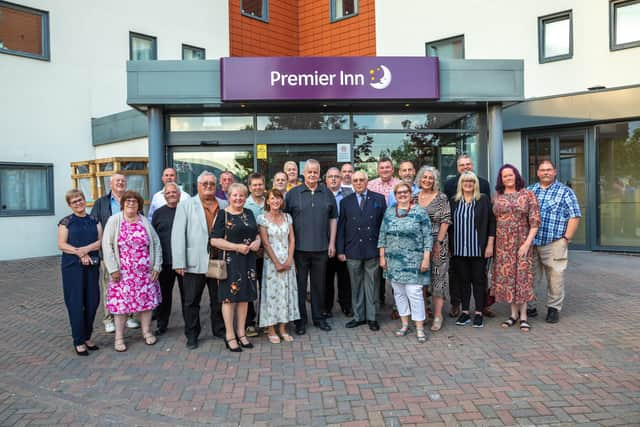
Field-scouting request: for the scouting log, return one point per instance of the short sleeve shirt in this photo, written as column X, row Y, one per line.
column 558, row 204
column 311, row 212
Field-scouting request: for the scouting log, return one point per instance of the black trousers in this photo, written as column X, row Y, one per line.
column 192, row 289
column 81, row 288
column 310, row 266
column 251, row 311
column 382, row 290
column 167, row 280
column 471, row 275
column 337, row 267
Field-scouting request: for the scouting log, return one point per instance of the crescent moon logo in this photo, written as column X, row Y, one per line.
column 385, row 79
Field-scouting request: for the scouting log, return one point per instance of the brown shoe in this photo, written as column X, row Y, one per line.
column 455, row 311
column 488, row 313
column 395, row 315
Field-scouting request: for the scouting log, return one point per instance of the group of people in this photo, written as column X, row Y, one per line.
column 365, row 236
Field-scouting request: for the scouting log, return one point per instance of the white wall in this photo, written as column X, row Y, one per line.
column 47, row 106
column 132, row 147
column 511, row 152
column 508, row 29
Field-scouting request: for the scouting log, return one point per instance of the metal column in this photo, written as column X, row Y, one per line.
column 494, row 142
column 156, row 149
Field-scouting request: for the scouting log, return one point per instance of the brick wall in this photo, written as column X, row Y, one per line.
column 302, row 28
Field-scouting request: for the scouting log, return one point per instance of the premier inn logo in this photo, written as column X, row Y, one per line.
column 378, row 78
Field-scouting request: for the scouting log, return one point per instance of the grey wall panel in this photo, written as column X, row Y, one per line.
column 481, row 80
column 118, row 127
column 572, row 109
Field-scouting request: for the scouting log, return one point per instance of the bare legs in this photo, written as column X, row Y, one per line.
column 239, row 312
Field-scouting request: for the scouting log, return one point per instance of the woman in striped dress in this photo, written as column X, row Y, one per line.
column 471, row 236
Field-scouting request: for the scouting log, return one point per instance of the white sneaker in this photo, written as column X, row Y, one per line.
column 132, row 323
column 109, row 327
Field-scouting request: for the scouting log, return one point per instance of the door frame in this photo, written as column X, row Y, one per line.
column 589, row 214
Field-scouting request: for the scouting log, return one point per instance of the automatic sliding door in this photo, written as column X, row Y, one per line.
column 278, row 154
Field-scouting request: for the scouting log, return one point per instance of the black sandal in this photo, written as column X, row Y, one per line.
column 509, row 322
column 247, row 345
column 524, row 326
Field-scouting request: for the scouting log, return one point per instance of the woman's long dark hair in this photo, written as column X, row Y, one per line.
column 519, row 180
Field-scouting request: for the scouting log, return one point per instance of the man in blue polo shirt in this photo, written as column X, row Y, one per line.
column 560, row 214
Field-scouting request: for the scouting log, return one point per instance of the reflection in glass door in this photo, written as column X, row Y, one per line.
column 278, row 154
column 571, row 172
column 189, row 162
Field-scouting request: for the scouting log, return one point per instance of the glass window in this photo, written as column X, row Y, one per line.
column 451, row 48
column 142, row 47
column 555, row 37
column 26, row 189
column 463, row 120
column 258, row 9
column 24, row 31
column 303, row 121
column 423, row 148
column 210, row 123
column 190, row 164
column 539, row 149
column 341, row 9
column 624, row 23
column 192, row 52
column 619, row 184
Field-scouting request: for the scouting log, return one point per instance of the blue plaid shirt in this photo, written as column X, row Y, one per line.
column 558, row 204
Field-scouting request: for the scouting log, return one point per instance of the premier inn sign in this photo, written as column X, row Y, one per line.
column 329, row 78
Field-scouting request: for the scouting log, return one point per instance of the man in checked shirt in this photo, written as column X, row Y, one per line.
column 560, row 214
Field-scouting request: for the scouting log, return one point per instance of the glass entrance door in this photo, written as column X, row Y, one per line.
column 278, row 154
column 190, row 162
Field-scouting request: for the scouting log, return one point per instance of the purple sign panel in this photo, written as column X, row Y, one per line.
column 329, row 78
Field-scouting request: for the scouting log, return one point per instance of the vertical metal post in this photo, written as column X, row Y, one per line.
column 494, row 143
column 156, row 149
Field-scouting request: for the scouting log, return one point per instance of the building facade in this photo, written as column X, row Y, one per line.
column 517, row 81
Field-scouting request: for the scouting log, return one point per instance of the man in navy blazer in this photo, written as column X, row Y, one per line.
column 357, row 239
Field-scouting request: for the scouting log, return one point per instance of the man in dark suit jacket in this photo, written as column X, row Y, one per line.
column 464, row 164
column 359, row 222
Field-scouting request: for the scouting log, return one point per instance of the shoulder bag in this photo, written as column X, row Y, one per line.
column 218, row 267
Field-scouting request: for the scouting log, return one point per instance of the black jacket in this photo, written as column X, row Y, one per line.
column 451, row 186
column 485, row 221
column 102, row 209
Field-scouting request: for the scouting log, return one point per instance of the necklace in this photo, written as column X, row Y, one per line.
column 405, row 214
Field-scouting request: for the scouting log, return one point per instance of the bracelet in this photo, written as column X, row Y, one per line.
column 566, row 238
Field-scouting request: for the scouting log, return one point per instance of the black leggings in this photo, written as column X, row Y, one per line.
column 471, row 273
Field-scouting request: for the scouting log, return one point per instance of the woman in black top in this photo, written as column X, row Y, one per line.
column 471, row 237
column 79, row 238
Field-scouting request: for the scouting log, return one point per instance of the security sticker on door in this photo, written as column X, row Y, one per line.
column 261, row 151
column 344, row 153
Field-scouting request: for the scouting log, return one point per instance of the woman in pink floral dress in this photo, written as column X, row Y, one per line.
column 133, row 258
column 517, row 222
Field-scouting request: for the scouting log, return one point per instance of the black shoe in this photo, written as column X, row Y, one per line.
column 553, row 315
column 92, row 347
column 161, row 330
column 322, row 324
column 247, row 345
column 463, row 320
column 301, row 330
column 478, row 321
column 353, row 323
column 81, row 353
column 192, row 343
column 373, row 325
column 532, row 312
column 326, row 314
column 238, row 349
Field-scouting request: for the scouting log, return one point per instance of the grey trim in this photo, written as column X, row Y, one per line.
column 118, row 127
column 191, row 47
column 265, row 12
column 44, row 15
column 332, row 11
column 481, row 80
column 494, row 142
column 613, row 45
column 426, row 45
column 152, row 39
column 555, row 17
column 574, row 109
column 156, row 149
column 50, row 188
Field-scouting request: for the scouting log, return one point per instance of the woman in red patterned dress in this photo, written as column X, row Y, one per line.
column 517, row 222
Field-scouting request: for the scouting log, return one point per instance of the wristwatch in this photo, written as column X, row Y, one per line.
column 566, row 238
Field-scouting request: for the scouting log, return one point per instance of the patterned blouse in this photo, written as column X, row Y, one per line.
column 405, row 236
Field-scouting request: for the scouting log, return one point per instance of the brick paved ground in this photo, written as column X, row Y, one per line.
column 583, row 371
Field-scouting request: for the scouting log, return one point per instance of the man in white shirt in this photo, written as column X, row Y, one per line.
column 158, row 200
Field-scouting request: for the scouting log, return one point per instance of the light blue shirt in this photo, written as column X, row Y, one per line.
column 359, row 197
column 340, row 194
column 251, row 204
column 115, row 205
column 391, row 199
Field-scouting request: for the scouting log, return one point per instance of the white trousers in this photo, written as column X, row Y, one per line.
column 409, row 301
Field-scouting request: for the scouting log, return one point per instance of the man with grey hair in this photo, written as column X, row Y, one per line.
column 103, row 208
column 190, row 256
column 158, row 199
column 314, row 212
column 407, row 173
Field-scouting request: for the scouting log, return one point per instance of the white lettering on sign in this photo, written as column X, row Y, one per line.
column 316, row 79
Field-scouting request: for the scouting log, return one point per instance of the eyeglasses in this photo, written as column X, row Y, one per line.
column 208, row 184
column 76, row 201
column 399, row 192
column 358, row 180
column 333, row 176
column 131, row 202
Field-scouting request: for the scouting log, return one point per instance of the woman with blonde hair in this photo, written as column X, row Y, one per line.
column 471, row 235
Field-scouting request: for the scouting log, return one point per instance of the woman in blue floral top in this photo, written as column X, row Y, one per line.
column 405, row 250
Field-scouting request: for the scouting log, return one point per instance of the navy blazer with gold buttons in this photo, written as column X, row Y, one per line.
column 358, row 229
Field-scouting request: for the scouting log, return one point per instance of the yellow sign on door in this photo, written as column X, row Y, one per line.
column 261, row 151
